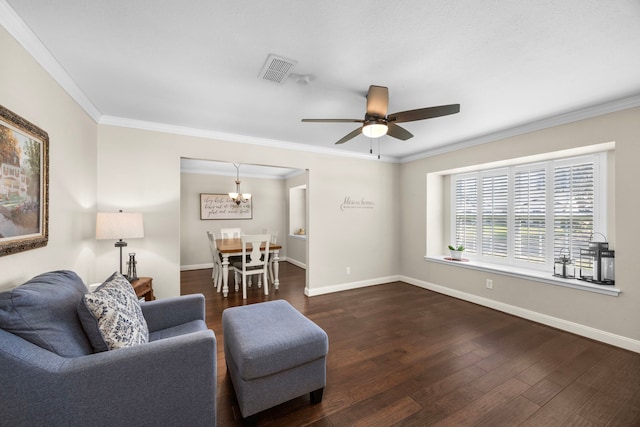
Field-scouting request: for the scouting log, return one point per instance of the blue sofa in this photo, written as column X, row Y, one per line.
column 50, row 374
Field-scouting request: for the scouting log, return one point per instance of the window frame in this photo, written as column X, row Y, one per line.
column 599, row 160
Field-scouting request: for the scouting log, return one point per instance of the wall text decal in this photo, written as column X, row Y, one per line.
column 356, row 203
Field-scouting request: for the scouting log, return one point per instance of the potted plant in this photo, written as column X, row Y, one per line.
column 456, row 252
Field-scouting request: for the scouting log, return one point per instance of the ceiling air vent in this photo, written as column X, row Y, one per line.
column 277, row 69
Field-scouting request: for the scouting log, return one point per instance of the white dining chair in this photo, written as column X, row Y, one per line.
column 231, row 233
column 274, row 241
column 253, row 262
column 216, row 274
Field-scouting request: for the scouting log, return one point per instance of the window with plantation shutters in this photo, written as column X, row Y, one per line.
column 494, row 215
column 530, row 214
column 573, row 207
column 527, row 215
column 466, row 213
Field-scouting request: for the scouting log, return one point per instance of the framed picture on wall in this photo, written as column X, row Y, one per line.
column 24, row 184
column 221, row 206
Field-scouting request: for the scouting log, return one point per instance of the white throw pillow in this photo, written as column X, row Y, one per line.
column 111, row 315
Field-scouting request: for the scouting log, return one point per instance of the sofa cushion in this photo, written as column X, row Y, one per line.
column 178, row 330
column 112, row 317
column 43, row 311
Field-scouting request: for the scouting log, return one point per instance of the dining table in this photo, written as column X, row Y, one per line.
column 233, row 247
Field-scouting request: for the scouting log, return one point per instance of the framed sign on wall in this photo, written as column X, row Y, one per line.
column 24, row 184
column 221, row 206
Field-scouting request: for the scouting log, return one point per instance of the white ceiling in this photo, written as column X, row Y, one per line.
column 194, row 64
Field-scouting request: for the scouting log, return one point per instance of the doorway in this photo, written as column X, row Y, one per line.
column 270, row 207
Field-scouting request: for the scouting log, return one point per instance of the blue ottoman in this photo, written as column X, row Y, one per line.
column 274, row 354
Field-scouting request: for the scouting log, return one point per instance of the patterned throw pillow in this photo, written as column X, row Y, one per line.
column 112, row 317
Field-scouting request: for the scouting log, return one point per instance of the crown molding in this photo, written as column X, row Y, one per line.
column 243, row 175
column 15, row 26
column 243, row 139
column 213, row 168
column 573, row 116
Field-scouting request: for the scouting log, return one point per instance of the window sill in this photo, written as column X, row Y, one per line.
column 298, row 236
column 521, row 273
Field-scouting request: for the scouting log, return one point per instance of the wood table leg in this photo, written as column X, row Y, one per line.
column 276, row 269
column 225, row 275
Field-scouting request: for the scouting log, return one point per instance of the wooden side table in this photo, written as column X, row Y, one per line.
column 144, row 288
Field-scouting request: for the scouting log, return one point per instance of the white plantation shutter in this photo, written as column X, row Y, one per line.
column 466, row 213
column 527, row 215
column 573, row 207
column 529, row 211
column 495, row 201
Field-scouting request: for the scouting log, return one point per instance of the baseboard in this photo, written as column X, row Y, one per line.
column 296, row 263
column 565, row 325
column 351, row 285
column 196, row 267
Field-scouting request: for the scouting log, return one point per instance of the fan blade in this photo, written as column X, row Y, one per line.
column 398, row 132
column 333, row 120
column 424, row 113
column 350, row 136
column 377, row 101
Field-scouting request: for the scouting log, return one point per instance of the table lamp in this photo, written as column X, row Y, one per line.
column 118, row 226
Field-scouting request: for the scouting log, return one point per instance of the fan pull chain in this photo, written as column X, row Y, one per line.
column 378, row 148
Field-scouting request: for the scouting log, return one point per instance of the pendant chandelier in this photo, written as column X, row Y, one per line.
column 239, row 197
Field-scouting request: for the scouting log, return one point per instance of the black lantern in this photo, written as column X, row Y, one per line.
column 132, row 274
column 597, row 264
column 563, row 266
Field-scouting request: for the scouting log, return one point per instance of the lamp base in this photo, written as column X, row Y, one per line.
column 120, row 244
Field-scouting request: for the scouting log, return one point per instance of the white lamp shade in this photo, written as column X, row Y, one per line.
column 119, row 225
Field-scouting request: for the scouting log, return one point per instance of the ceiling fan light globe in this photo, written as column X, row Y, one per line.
column 375, row 130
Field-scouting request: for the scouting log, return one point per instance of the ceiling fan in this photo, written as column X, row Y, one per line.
column 377, row 123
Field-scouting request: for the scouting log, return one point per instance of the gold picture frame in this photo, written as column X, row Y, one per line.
column 24, row 184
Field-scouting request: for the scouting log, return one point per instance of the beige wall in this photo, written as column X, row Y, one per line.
column 269, row 213
column 296, row 246
column 612, row 315
column 139, row 170
column 28, row 91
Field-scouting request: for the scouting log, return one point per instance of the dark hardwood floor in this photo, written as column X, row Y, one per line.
column 400, row 355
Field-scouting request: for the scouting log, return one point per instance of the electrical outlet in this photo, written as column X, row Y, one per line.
column 489, row 284
column 348, row 271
